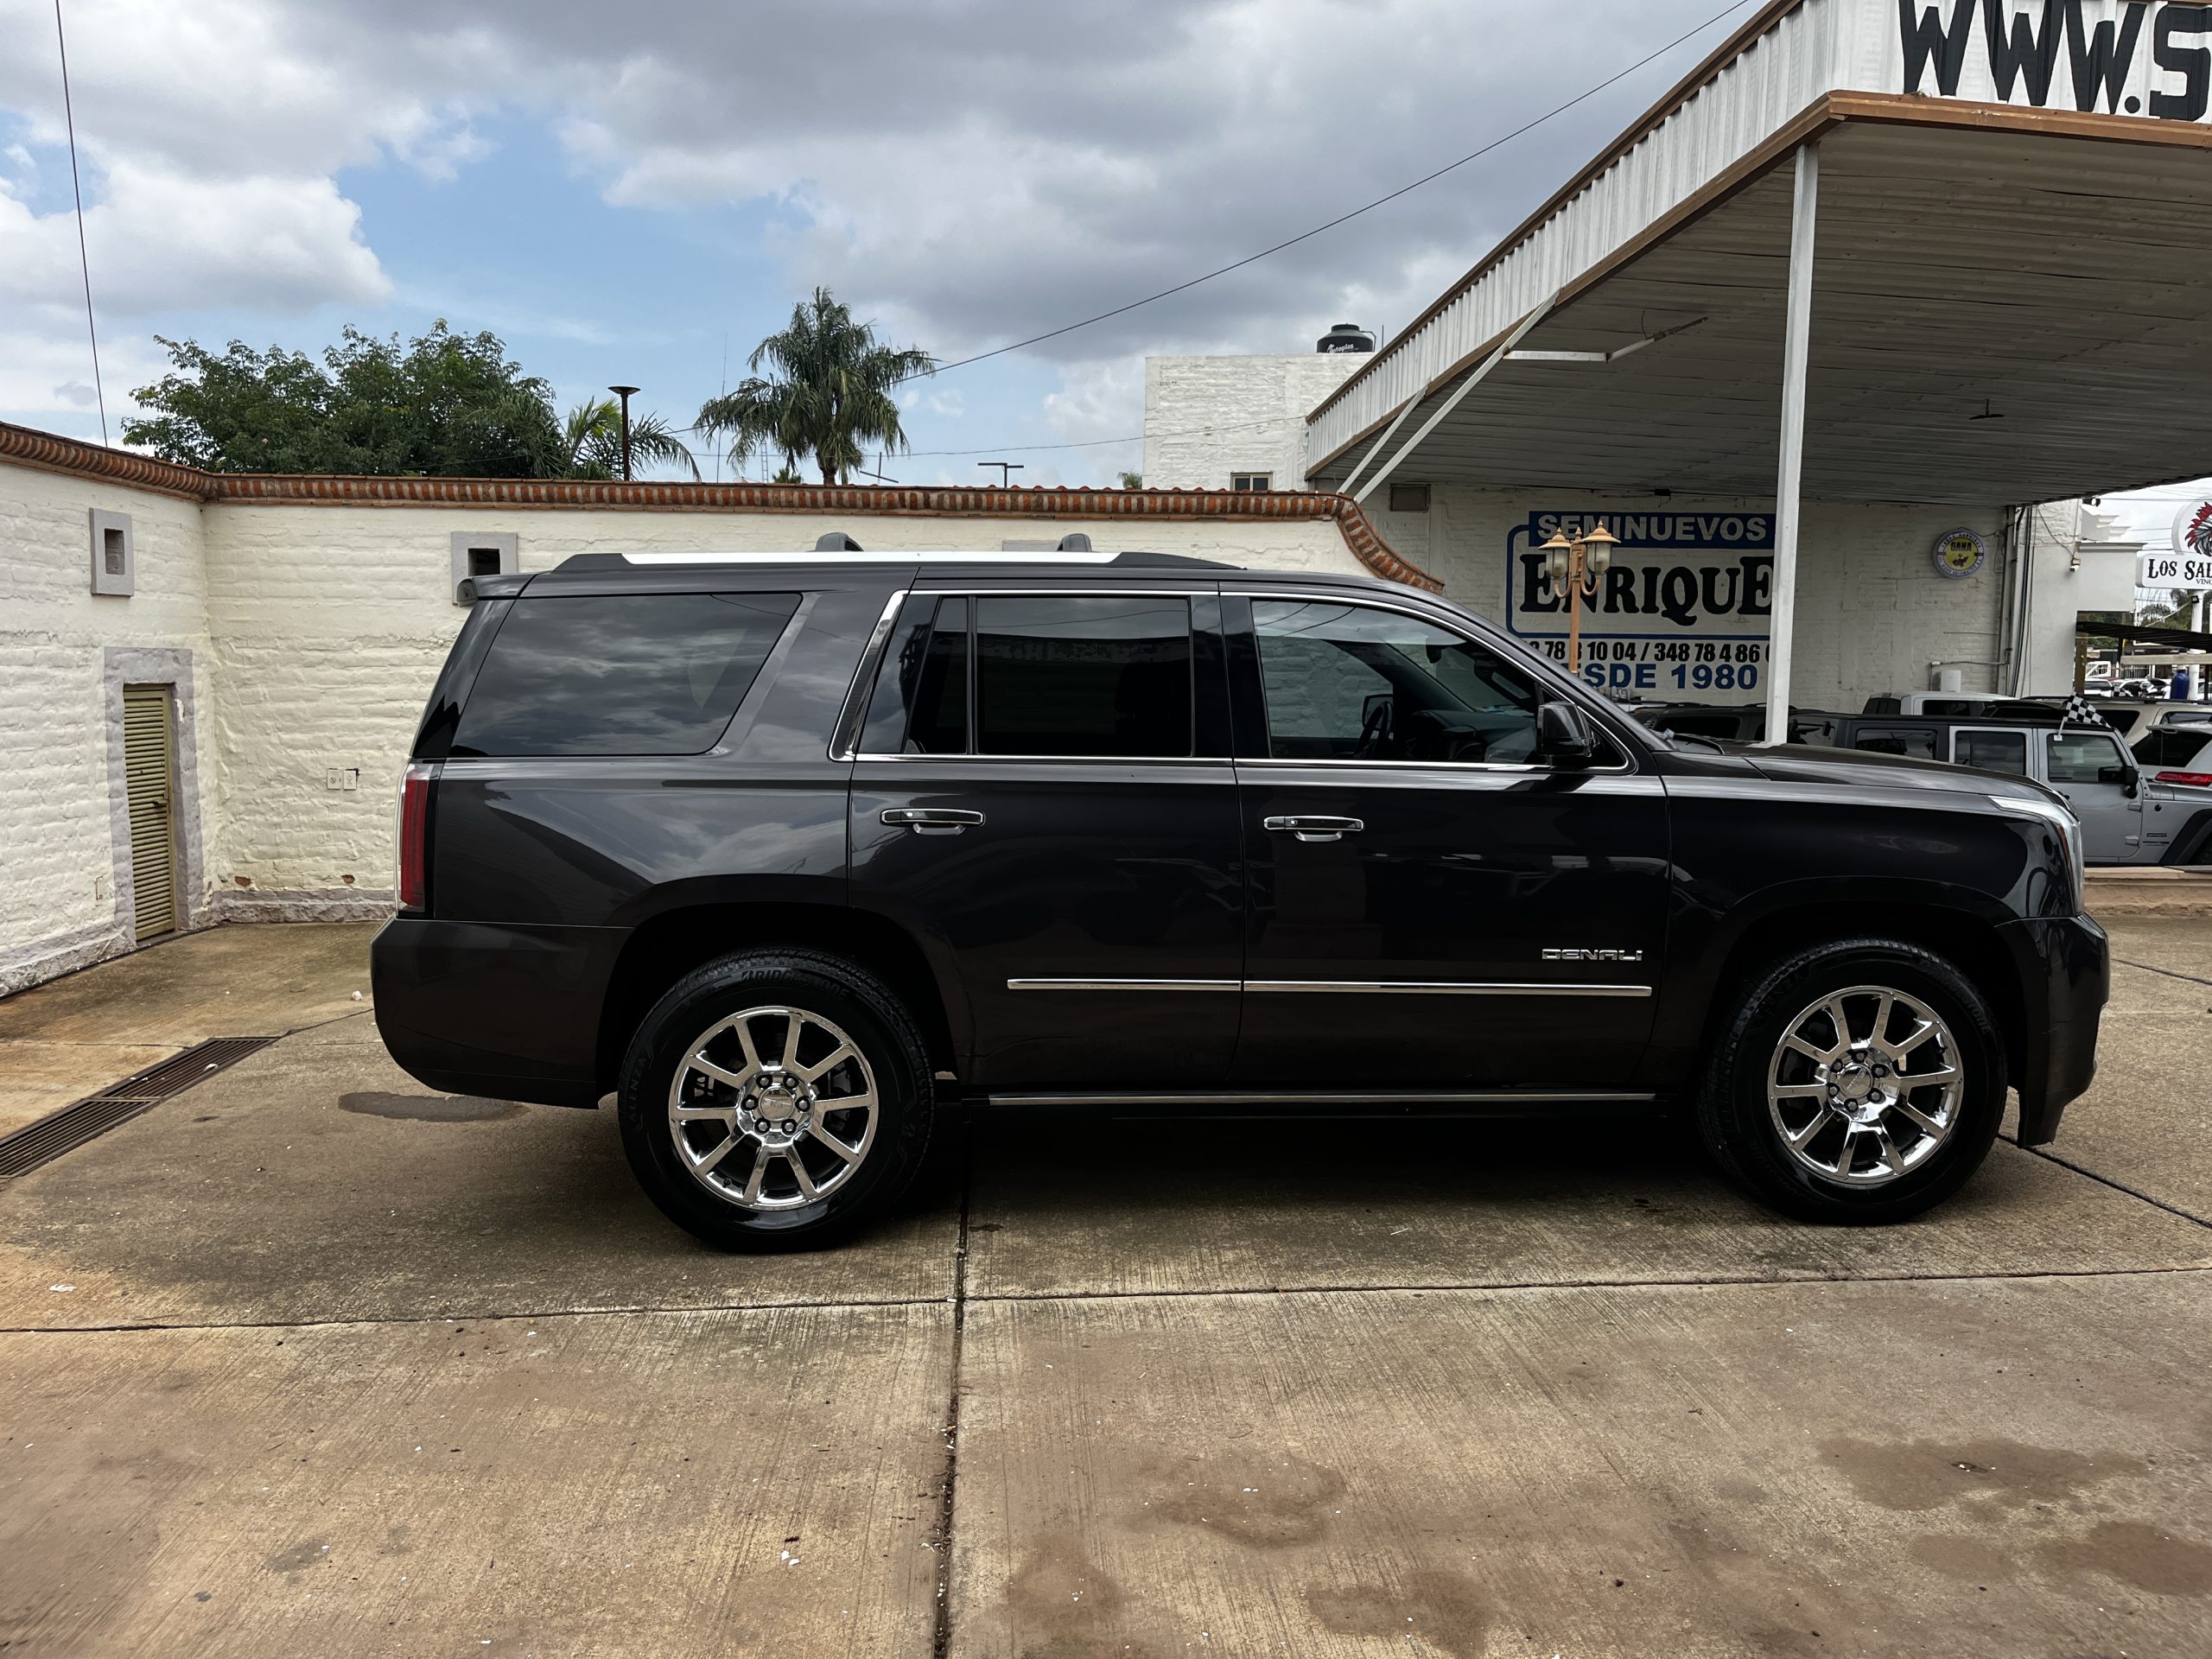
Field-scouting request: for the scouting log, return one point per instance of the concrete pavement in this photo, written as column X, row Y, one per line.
column 1479, row 1389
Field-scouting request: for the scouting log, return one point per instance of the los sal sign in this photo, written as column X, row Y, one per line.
column 2189, row 565
column 1684, row 609
column 2150, row 58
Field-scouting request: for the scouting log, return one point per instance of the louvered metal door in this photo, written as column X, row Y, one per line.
column 149, row 765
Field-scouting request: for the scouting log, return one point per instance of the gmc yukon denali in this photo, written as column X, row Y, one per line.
column 791, row 853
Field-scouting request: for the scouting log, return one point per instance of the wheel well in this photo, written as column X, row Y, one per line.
column 662, row 951
column 1965, row 940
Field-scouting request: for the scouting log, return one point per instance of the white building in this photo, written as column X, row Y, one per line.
column 1868, row 282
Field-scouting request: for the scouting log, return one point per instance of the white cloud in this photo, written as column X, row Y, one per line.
column 163, row 240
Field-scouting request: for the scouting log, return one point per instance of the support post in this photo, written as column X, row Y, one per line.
column 1789, row 472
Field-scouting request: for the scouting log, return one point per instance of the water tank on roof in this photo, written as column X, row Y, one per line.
column 1345, row 337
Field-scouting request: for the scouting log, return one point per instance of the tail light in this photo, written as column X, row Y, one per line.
column 414, row 841
column 2194, row 779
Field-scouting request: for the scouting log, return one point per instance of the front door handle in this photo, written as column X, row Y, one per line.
column 931, row 820
column 1313, row 828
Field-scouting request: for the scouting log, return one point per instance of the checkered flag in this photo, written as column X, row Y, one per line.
column 2078, row 712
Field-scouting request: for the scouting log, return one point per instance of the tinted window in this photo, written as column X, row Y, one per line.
column 1992, row 751
column 1905, row 740
column 641, row 674
column 1083, row 676
column 1350, row 683
column 2085, row 758
column 939, row 722
column 2165, row 746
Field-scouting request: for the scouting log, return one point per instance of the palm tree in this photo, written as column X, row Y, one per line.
column 593, row 438
column 829, row 394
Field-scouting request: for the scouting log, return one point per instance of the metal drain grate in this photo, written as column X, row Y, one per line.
column 43, row 1141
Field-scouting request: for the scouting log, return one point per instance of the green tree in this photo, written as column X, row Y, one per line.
column 828, row 392
column 593, row 435
column 444, row 405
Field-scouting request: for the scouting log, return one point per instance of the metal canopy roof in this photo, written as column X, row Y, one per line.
column 2062, row 283
column 2012, row 209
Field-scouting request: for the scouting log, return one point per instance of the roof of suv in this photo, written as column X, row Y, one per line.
column 587, row 573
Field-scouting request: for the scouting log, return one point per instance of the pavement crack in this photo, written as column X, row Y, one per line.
column 2170, row 973
column 941, row 1643
column 2107, row 1180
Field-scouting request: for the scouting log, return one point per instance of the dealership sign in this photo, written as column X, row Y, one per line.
column 1684, row 609
column 2116, row 57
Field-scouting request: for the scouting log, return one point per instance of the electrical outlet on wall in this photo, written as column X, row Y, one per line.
column 334, row 779
column 353, row 777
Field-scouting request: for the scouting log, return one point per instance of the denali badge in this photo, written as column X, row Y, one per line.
column 1593, row 956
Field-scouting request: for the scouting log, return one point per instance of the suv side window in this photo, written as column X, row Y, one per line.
column 1354, row 682
column 1992, row 751
column 630, row 674
column 2086, row 757
column 1918, row 740
column 2167, row 746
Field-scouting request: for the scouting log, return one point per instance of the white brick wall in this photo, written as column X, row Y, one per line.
column 1872, row 613
column 1206, row 417
column 60, row 906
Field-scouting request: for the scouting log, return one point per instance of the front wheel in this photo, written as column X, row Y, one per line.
column 1861, row 1081
column 775, row 1100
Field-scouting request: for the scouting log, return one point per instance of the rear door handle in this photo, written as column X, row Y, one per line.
column 931, row 820
column 1313, row 828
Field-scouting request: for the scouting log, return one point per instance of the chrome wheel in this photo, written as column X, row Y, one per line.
column 1865, row 1085
column 773, row 1109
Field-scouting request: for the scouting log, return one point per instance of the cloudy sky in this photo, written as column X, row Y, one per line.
column 639, row 193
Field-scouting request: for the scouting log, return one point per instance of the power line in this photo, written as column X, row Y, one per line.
column 1530, row 126
column 84, row 260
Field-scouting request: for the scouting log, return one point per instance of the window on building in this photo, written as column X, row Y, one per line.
column 1410, row 498
column 643, row 674
column 2086, row 757
column 1350, row 683
column 1251, row 480
column 1084, row 676
column 1992, row 751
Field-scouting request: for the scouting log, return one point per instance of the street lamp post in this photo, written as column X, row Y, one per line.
column 1572, row 568
column 623, row 392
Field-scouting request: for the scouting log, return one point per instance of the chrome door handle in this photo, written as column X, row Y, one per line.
column 931, row 820
column 1312, row 829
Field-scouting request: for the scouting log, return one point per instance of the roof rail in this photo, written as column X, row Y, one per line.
column 579, row 563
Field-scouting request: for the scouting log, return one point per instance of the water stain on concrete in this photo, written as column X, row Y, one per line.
column 2137, row 1555
column 299, row 1557
column 1968, row 1559
column 1065, row 1607
column 430, row 1109
column 1926, row 1474
column 1266, row 1504
column 1444, row 1610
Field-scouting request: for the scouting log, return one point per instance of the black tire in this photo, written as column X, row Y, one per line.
column 840, row 999
column 1738, row 1124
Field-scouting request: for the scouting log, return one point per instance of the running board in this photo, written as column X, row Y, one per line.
column 1327, row 1099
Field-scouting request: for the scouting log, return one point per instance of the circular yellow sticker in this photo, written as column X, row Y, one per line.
column 1960, row 553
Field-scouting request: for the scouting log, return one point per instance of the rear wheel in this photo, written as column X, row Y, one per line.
column 1861, row 1081
column 775, row 1100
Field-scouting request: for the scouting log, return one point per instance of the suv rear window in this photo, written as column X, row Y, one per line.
column 637, row 674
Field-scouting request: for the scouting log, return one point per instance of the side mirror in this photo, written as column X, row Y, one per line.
column 1564, row 736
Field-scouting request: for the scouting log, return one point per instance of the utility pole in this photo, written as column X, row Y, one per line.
column 1007, row 470
column 623, row 392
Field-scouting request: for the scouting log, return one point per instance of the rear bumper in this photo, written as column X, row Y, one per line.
column 2065, row 976
column 484, row 1009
